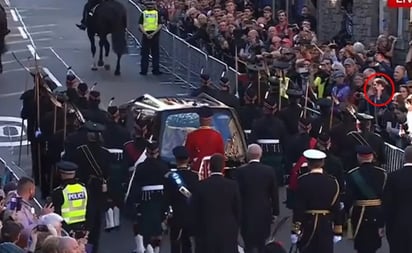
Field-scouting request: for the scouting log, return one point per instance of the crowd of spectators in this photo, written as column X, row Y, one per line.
column 23, row 230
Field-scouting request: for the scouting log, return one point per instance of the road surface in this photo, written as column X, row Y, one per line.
column 47, row 28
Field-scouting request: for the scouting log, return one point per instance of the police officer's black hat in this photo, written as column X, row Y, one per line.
column 324, row 103
column 112, row 110
column 364, row 150
column 180, row 153
column 82, row 87
column 94, row 127
column 152, row 147
column 205, row 112
column 294, row 93
column 66, row 167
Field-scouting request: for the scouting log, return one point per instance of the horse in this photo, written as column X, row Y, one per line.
column 3, row 32
column 109, row 17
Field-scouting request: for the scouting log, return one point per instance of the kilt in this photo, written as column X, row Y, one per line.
column 150, row 218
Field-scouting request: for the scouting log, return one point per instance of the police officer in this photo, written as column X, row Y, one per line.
column 181, row 183
column 148, row 194
column 271, row 134
column 150, row 25
column 364, row 190
column 70, row 199
column 317, row 206
column 291, row 114
column 86, row 13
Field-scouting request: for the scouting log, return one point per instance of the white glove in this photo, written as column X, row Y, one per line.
column 294, row 238
column 341, row 205
column 337, row 238
column 37, row 133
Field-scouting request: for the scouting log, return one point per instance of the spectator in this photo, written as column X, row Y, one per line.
column 68, row 245
column 341, row 90
column 51, row 245
column 10, row 238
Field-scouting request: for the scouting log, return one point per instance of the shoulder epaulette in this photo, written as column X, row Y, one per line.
column 127, row 142
column 304, row 174
column 352, row 170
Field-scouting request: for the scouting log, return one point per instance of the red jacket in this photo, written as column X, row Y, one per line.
column 294, row 174
column 203, row 142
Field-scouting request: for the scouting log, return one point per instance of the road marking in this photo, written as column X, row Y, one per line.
column 14, row 16
column 52, row 77
column 24, row 27
column 22, row 32
column 7, row 2
column 33, row 52
column 17, row 70
column 41, row 26
column 11, row 94
column 64, row 63
column 24, row 50
column 25, row 41
column 11, row 129
column 33, row 33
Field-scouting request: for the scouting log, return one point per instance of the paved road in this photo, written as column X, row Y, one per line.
column 48, row 25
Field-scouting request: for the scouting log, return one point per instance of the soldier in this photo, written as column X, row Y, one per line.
column 317, row 207
column 260, row 200
column 70, row 199
column 216, row 206
column 94, row 161
column 364, row 190
column 366, row 136
column 271, row 134
column 322, row 123
column 204, row 141
column 94, row 113
column 249, row 111
column 182, row 182
column 225, row 96
column 291, row 114
column 87, row 9
column 82, row 101
column 115, row 135
column 148, row 193
column 132, row 150
column 205, row 87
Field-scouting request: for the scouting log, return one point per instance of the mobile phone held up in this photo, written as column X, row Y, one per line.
column 15, row 204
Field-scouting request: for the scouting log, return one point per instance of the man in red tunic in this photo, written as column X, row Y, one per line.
column 204, row 141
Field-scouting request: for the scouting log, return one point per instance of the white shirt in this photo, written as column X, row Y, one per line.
column 409, row 122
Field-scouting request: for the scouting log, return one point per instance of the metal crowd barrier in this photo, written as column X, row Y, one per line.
column 394, row 158
column 182, row 60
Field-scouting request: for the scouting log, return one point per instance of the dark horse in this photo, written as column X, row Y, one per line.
column 109, row 17
column 3, row 32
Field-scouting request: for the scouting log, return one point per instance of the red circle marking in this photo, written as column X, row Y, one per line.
column 365, row 86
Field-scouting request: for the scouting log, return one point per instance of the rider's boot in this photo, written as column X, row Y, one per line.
column 82, row 26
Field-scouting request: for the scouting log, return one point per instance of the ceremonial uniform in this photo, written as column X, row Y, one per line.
column 94, row 113
column 249, row 111
column 260, row 203
column 323, row 122
column 225, row 96
column 70, row 199
column 205, row 87
column 181, row 222
column 148, row 193
column 204, row 141
column 291, row 114
column 317, row 207
column 364, row 190
column 271, row 134
column 398, row 209
column 82, row 101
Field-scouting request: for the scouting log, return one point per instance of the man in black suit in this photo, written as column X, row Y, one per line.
column 398, row 207
column 260, row 200
column 216, row 205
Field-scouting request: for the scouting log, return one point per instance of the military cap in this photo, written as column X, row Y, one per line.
column 180, row 152
column 324, row 103
column 112, row 109
column 205, row 77
column 305, row 123
column 94, row 127
column 270, row 104
column 364, row 117
column 364, row 150
column 323, row 138
column 94, row 94
column 205, row 112
column 294, row 93
column 314, row 154
column 152, row 147
column 224, row 82
column 70, row 77
column 67, row 167
column 82, row 87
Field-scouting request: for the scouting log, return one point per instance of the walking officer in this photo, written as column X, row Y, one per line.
column 70, row 199
column 150, row 25
column 181, row 183
column 317, row 206
column 364, row 191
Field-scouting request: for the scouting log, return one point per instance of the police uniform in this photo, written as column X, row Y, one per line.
column 205, row 87
column 181, row 221
column 150, row 24
column 291, row 114
column 322, row 123
column 317, row 207
column 70, row 199
column 364, row 189
column 148, row 194
column 271, row 134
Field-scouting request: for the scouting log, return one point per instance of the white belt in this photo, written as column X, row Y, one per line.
column 115, row 150
column 267, row 141
column 153, row 188
column 247, row 131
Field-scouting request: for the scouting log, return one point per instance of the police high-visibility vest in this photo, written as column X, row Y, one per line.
column 75, row 203
column 150, row 20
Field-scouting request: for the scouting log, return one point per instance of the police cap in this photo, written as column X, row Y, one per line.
column 205, row 112
column 180, row 152
column 364, row 150
column 364, row 117
column 294, row 93
column 94, row 127
column 324, row 103
column 67, row 167
column 314, row 154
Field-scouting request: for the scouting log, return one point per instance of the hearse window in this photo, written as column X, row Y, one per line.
column 178, row 124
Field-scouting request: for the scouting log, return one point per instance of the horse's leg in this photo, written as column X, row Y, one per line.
column 106, row 55
column 117, row 72
column 93, row 49
column 100, row 63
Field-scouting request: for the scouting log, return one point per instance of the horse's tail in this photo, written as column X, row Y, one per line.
column 119, row 44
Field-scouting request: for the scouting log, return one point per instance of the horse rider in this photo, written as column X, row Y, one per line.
column 4, row 30
column 150, row 25
column 364, row 191
column 317, row 206
column 88, row 12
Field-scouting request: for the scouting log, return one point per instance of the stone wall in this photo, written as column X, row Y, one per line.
column 329, row 18
column 365, row 20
